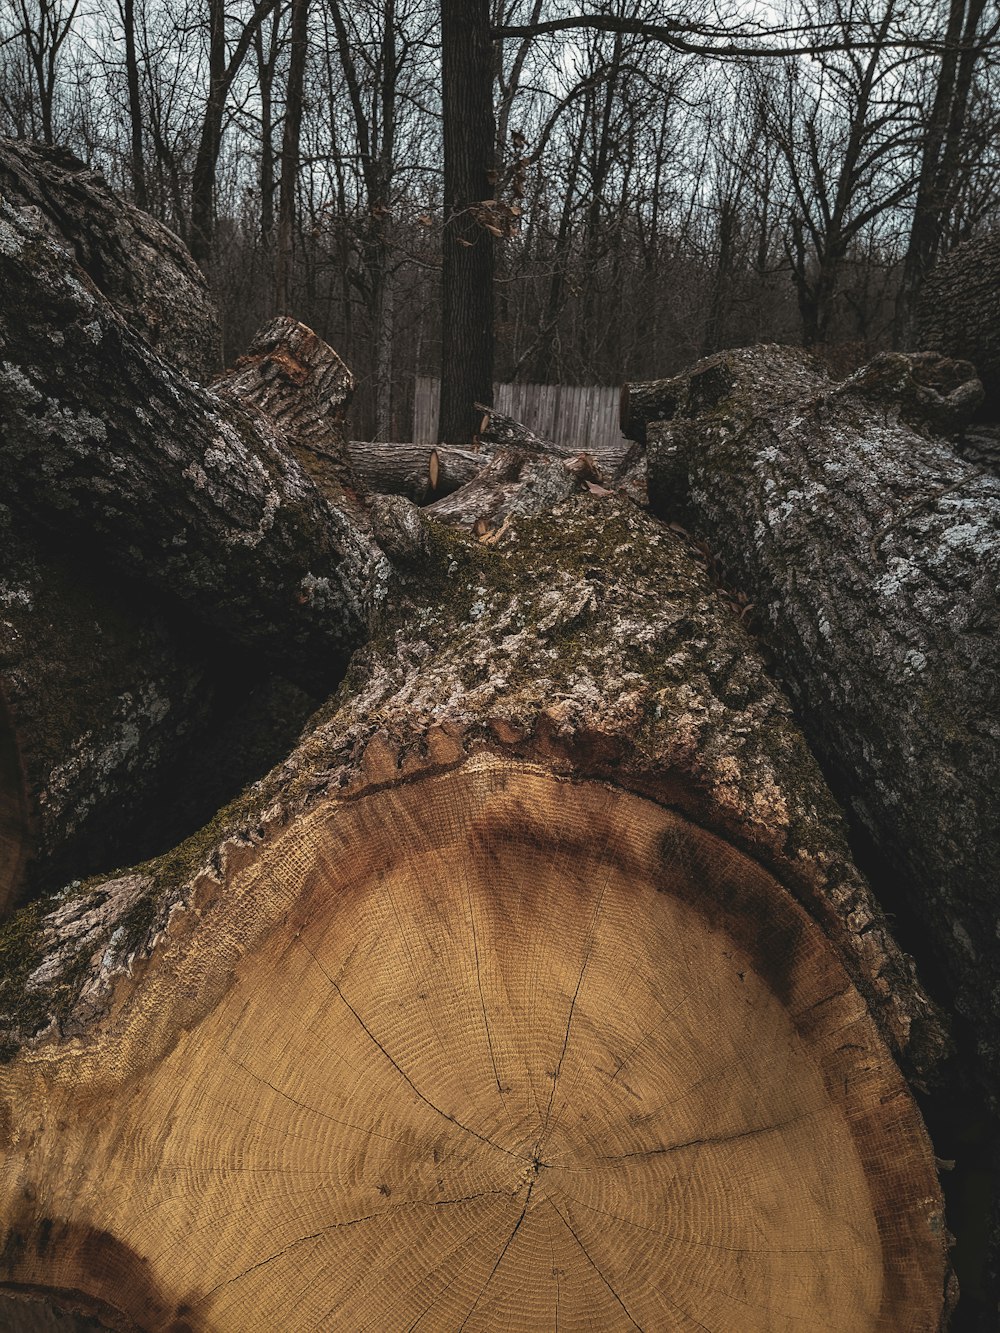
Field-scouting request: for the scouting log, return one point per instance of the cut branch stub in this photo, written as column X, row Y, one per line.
column 498, row 1049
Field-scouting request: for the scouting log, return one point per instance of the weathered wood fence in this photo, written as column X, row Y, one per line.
column 583, row 416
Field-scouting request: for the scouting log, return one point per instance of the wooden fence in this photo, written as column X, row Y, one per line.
column 576, row 416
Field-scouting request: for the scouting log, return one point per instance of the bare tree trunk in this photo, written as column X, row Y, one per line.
column 469, row 180
column 290, row 140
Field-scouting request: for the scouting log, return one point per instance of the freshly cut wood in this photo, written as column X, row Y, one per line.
column 143, row 269
column 196, row 493
column 872, row 554
column 418, row 471
column 537, row 984
column 957, row 311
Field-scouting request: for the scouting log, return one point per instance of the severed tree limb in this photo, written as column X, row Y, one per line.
column 556, row 850
column 514, row 482
column 193, row 492
column 498, row 431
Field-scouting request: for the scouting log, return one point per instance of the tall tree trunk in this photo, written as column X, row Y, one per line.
column 202, row 226
column 467, row 267
column 290, row 140
column 939, row 159
column 137, row 161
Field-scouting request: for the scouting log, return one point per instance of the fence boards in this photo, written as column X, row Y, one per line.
column 577, row 416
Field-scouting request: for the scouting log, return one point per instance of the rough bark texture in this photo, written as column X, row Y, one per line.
column 589, row 637
column 142, row 268
column 872, row 553
column 957, row 311
column 196, row 493
column 101, row 695
column 585, row 648
column 642, row 403
column 300, row 384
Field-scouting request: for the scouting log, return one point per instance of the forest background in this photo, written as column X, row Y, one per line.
column 663, row 188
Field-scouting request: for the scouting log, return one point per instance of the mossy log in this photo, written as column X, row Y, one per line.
column 872, row 554
column 196, row 493
column 140, row 266
column 957, row 311
column 536, row 986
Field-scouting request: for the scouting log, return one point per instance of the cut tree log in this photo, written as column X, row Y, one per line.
column 957, row 311
column 872, row 553
column 537, row 984
column 140, row 266
column 514, row 482
column 418, row 471
column 196, row 493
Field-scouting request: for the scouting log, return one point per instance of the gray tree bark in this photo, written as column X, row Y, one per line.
column 139, row 265
column 199, row 493
column 957, row 311
column 872, row 553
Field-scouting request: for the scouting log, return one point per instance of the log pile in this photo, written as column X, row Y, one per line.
column 536, row 985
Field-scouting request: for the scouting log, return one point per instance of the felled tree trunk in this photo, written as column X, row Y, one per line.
column 537, row 985
column 872, row 552
column 418, row 471
column 140, row 266
column 198, row 494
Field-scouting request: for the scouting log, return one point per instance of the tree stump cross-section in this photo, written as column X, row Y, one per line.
column 485, row 1049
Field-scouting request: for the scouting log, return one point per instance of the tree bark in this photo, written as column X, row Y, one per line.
column 957, row 311
column 872, row 553
column 469, row 181
column 197, row 493
column 100, row 695
column 139, row 265
column 544, row 939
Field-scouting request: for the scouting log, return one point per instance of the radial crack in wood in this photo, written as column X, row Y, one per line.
column 497, row 1049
